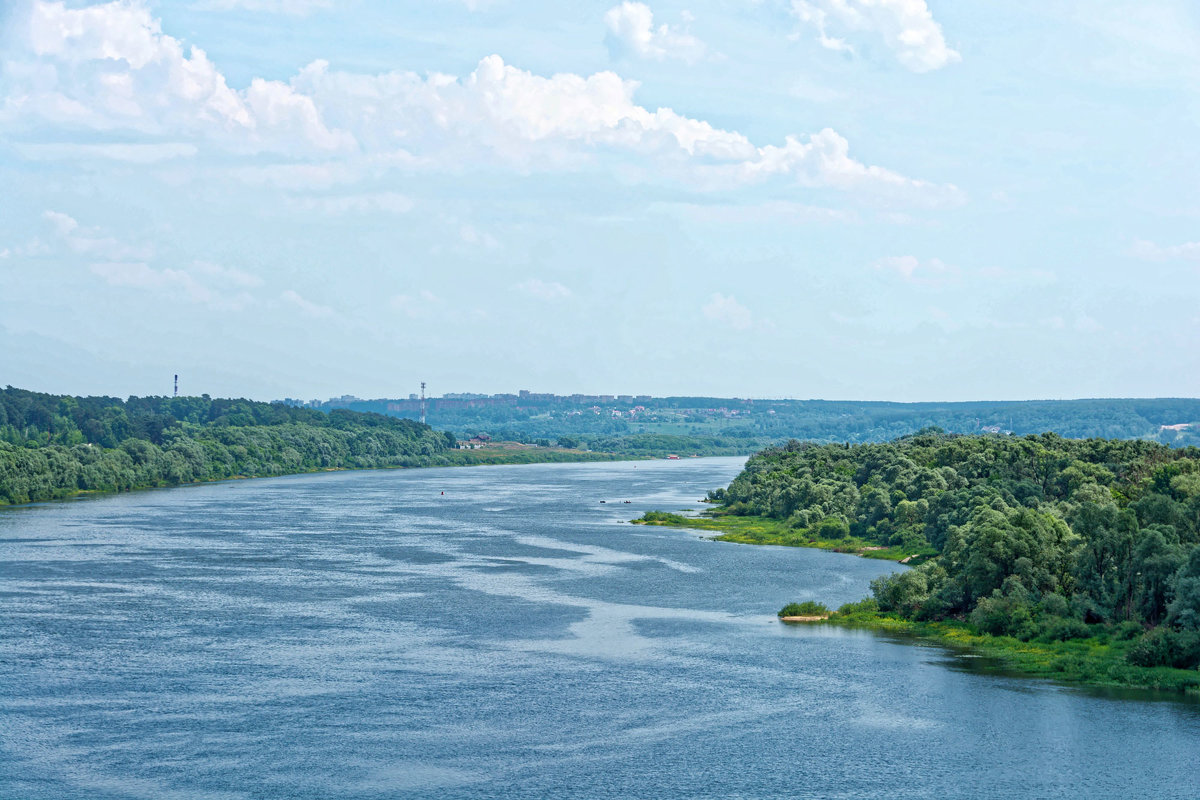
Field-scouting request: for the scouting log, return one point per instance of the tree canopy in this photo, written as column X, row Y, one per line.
column 1037, row 536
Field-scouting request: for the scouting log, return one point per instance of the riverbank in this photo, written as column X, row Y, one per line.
column 494, row 456
column 763, row 530
column 1098, row 660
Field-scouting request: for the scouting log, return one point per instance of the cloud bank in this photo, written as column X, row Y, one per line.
column 111, row 68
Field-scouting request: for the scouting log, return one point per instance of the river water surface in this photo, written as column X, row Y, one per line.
column 497, row 632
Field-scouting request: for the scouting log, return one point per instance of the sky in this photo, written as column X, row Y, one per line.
column 843, row 199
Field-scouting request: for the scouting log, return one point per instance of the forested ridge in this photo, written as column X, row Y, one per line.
column 54, row 446
column 1038, row 537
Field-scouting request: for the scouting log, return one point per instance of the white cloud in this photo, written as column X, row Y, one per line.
column 307, row 307
column 631, row 28
column 907, row 27
column 544, row 290
column 297, row 8
column 111, row 68
column 728, row 311
column 499, row 111
column 1149, row 251
column 92, row 242
column 209, row 284
column 127, row 265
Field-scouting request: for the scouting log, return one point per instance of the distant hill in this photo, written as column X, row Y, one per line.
column 744, row 425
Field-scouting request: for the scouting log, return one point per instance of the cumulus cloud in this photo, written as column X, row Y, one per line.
column 906, row 26
column 631, row 29
column 500, row 111
column 111, row 68
column 544, row 290
column 728, row 311
column 1149, row 251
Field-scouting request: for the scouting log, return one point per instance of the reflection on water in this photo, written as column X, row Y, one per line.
column 365, row 635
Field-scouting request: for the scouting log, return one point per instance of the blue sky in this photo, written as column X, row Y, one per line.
column 855, row 199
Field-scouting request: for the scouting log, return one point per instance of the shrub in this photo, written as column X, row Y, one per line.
column 1000, row 615
column 1060, row 629
column 1163, row 647
column 663, row 516
column 1124, row 631
column 806, row 609
column 833, row 528
column 1053, row 605
column 867, row 607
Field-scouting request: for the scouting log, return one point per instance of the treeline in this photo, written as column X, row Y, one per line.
column 760, row 422
column 658, row 444
column 1116, row 418
column 1038, row 537
column 54, row 446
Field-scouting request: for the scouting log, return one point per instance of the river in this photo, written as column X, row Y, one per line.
column 498, row 632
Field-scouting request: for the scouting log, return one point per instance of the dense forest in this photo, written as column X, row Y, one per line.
column 55, row 446
column 1037, row 537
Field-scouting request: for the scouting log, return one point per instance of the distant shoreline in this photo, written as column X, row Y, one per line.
column 503, row 459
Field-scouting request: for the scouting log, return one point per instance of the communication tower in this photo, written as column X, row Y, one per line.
column 422, row 402
column 177, row 386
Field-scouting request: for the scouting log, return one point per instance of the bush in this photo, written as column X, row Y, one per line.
column 806, row 609
column 867, row 607
column 833, row 528
column 1001, row 615
column 664, row 516
column 1060, row 629
column 1163, row 647
column 1127, row 630
column 1053, row 605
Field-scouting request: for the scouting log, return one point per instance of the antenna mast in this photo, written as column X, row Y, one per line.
column 177, row 386
column 422, row 402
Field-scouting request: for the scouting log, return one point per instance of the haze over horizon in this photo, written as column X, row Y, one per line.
column 890, row 200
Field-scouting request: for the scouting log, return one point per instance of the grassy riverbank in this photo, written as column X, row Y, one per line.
column 764, row 530
column 1098, row 659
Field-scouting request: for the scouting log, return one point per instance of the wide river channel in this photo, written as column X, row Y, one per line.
column 497, row 632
